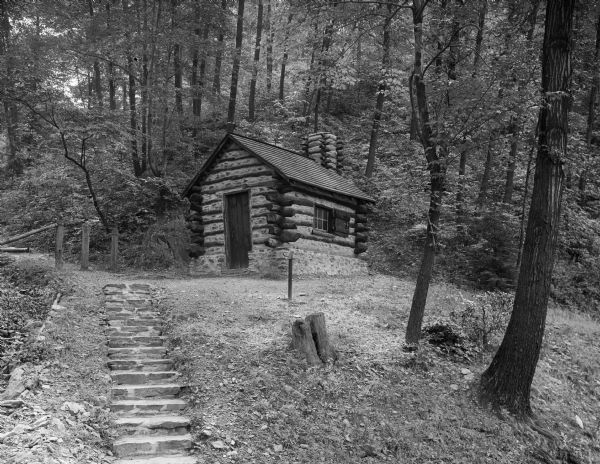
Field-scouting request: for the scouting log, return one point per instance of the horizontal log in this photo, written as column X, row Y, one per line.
column 214, row 240
column 263, row 181
column 212, row 208
column 14, row 250
column 195, row 216
column 235, row 155
column 272, row 243
column 361, row 237
column 329, row 238
column 219, row 227
column 212, row 218
column 278, row 199
column 272, row 218
column 364, row 208
column 244, row 162
column 196, row 198
column 196, row 228
column 360, row 248
column 286, row 211
column 274, row 207
column 274, row 230
column 27, row 234
column 308, row 210
column 288, row 236
column 314, row 150
column 196, row 250
column 237, row 174
column 362, row 227
column 310, row 199
column 285, row 223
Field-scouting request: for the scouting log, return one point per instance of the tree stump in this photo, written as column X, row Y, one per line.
column 319, row 334
column 310, row 337
column 303, row 341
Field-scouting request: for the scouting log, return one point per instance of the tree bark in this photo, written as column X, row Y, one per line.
column 302, row 340
column 591, row 119
column 510, row 167
column 177, row 67
column 112, row 102
column 436, row 164
column 325, row 350
column 385, row 64
column 219, row 52
column 259, row 27
column 235, row 72
column 507, row 381
column 284, row 59
column 137, row 167
column 322, row 67
column 485, row 179
column 462, row 184
column 483, row 7
column 270, row 36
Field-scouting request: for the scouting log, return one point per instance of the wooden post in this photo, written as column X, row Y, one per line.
column 85, row 246
column 58, row 251
column 290, row 269
column 114, row 249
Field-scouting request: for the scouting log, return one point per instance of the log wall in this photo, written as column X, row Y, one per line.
column 281, row 219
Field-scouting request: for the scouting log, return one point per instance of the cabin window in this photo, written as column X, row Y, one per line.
column 332, row 221
column 322, row 220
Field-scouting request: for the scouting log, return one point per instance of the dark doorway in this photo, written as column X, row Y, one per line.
column 237, row 229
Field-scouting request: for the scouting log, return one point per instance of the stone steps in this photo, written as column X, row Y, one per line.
column 173, row 459
column 127, row 377
column 144, row 393
column 148, row 406
column 141, row 364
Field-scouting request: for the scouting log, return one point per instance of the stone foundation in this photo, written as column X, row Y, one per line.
column 273, row 262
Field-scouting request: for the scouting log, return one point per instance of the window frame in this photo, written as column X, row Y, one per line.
column 333, row 215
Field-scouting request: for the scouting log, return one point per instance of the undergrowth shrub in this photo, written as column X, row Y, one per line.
column 484, row 319
column 493, row 250
column 163, row 245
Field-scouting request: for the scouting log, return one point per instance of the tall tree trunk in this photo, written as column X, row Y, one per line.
column 507, row 381
column 194, row 84
column 284, row 59
column 97, row 79
column 462, row 184
column 235, row 71
column 13, row 163
column 270, row 36
column 385, row 65
column 533, row 13
column 177, row 67
column 591, row 119
column 259, row 26
column 112, row 102
column 512, row 163
column 137, row 167
column 308, row 83
column 124, row 95
column 436, row 164
column 322, row 70
column 146, row 121
column 219, row 53
column 483, row 7
column 485, row 179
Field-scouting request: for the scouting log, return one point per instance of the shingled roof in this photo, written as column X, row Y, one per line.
column 290, row 165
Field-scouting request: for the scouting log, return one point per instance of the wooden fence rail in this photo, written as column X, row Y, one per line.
column 59, row 244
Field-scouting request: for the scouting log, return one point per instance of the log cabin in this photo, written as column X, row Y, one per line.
column 252, row 203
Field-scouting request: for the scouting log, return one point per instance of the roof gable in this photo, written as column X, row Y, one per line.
column 292, row 166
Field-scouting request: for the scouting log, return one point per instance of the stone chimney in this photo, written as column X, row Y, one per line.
column 324, row 148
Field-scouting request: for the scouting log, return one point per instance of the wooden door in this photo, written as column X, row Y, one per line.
column 237, row 229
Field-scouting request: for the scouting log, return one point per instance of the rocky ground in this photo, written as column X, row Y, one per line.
column 254, row 399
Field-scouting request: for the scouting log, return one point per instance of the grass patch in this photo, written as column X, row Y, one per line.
column 249, row 389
